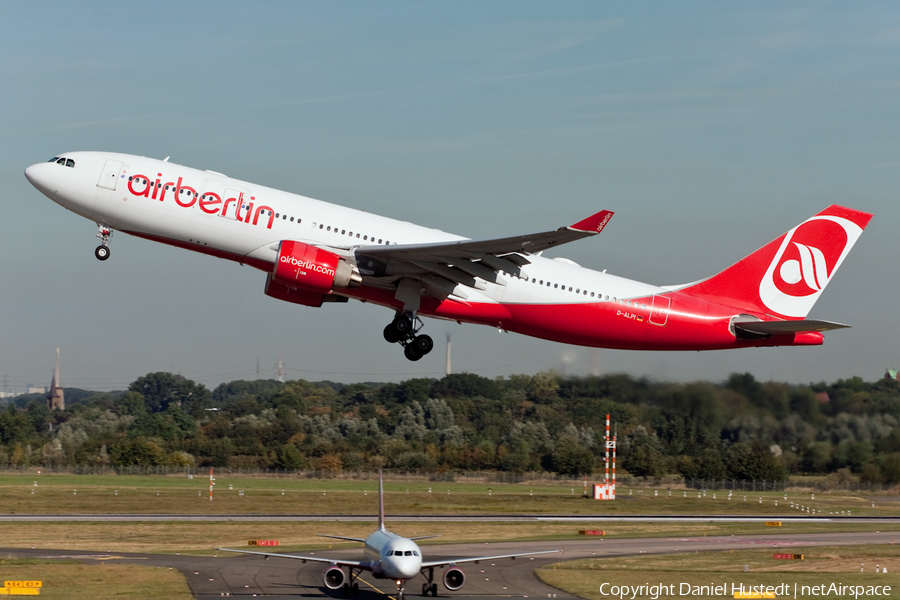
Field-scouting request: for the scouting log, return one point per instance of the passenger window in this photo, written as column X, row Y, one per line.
column 343, row 231
column 555, row 285
column 321, row 227
column 379, row 241
column 357, row 236
column 284, row 218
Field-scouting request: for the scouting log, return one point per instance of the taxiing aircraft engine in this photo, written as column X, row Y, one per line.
column 334, row 578
column 312, row 269
column 454, row 578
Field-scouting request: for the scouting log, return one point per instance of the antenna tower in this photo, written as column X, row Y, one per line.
column 279, row 370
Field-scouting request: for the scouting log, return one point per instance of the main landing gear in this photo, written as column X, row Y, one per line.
column 429, row 587
column 104, row 233
column 403, row 330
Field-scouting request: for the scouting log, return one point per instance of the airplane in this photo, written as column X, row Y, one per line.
column 314, row 252
column 390, row 556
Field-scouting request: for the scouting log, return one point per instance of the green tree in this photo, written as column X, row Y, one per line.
column 570, row 457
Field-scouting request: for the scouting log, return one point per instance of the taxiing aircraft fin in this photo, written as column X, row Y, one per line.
column 380, row 501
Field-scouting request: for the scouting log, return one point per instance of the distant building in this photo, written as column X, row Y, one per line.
column 36, row 389
column 56, row 399
column 892, row 374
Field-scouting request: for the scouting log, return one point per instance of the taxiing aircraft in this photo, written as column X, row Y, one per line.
column 390, row 556
column 315, row 252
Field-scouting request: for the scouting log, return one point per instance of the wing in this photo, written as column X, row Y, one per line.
column 766, row 328
column 332, row 561
column 456, row 561
column 340, row 537
column 443, row 266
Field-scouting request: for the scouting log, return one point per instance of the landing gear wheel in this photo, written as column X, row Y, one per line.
column 391, row 335
column 102, row 252
column 354, row 590
column 402, row 324
column 425, row 589
column 434, row 590
column 412, row 352
column 424, row 344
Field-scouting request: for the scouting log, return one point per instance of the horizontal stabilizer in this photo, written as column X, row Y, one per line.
column 785, row 327
column 340, row 537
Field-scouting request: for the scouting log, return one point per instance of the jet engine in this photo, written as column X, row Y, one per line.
column 313, row 269
column 334, row 578
column 454, row 578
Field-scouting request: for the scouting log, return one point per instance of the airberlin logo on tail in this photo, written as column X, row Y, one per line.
column 309, row 265
column 806, row 260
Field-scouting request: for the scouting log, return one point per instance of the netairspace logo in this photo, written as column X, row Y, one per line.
column 740, row 590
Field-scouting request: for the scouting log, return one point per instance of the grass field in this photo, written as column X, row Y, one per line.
column 73, row 581
column 202, row 538
column 77, row 494
column 821, row 565
column 111, row 494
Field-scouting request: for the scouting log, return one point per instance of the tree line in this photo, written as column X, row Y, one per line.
column 738, row 429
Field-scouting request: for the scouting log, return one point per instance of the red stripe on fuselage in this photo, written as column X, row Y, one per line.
column 691, row 323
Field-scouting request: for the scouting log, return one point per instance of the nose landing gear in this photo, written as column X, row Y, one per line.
column 104, row 233
column 403, row 330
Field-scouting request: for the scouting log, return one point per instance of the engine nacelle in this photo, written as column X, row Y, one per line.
column 334, row 578
column 454, row 578
column 312, row 269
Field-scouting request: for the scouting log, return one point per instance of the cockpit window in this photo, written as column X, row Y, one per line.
column 408, row 553
column 66, row 162
column 61, row 161
column 54, row 159
column 70, row 162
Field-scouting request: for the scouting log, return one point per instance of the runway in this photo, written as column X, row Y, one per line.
column 273, row 518
column 249, row 576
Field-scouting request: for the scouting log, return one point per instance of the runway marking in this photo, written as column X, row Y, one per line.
column 94, row 557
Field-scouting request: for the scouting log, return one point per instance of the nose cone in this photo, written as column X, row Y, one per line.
column 410, row 567
column 38, row 177
column 31, row 173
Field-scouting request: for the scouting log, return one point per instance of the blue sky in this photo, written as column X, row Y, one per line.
column 709, row 128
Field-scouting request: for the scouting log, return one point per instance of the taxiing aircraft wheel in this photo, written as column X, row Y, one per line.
column 391, row 334
column 424, row 344
column 434, row 590
column 412, row 352
column 102, row 252
column 355, row 590
column 425, row 589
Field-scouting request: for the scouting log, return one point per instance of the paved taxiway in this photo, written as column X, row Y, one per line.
column 246, row 576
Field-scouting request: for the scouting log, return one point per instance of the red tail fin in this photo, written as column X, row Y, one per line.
column 785, row 277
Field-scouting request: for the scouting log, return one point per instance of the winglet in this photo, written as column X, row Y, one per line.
column 380, row 501
column 594, row 223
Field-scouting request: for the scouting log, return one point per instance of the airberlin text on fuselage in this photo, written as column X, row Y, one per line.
column 209, row 202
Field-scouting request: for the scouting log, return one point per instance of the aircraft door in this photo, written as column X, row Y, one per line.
column 659, row 312
column 110, row 174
